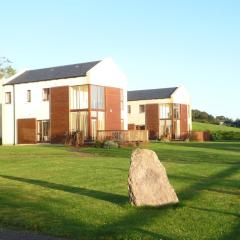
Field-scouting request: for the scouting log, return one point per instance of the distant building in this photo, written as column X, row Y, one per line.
column 43, row 105
column 165, row 112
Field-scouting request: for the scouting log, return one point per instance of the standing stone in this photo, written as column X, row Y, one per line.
column 148, row 183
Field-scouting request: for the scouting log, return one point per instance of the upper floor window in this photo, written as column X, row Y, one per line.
column 97, row 97
column 8, row 98
column 79, row 97
column 46, row 93
column 141, row 108
column 129, row 108
column 165, row 111
column 176, row 111
column 29, row 96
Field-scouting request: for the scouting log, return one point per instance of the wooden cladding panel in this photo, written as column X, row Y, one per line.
column 59, row 113
column 152, row 120
column 27, row 131
column 183, row 120
column 113, row 109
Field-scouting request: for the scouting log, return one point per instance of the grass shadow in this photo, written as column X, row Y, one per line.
column 109, row 197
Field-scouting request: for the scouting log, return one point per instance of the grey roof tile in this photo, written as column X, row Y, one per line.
column 67, row 71
column 149, row 94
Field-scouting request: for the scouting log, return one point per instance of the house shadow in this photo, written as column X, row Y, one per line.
column 108, row 197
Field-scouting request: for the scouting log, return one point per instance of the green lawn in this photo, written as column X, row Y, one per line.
column 64, row 192
column 197, row 126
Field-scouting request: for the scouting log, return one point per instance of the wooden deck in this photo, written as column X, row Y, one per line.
column 123, row 135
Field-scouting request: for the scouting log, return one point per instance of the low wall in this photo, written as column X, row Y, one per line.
column 200, row 136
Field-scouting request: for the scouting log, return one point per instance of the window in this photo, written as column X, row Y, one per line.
column 129, row 108
column 8, row 98
column 176, row 111
column 141, row 108
column 101, row 120
column 97, row 97
column 46, row 94
column 79, row 97
column 28, row 95
column 165, row 111
column 165, row 128
column 79, row 122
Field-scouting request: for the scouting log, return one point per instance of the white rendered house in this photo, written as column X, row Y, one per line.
column 43, row 105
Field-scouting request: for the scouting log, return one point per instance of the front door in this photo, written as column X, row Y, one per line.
column 43, row 131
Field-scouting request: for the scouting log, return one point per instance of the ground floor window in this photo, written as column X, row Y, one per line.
column 97, row 122
column 165, row 128
column 177, row 132
column 43, row 129
column 79, row 122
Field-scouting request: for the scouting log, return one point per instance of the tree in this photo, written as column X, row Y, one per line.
column 6, row 70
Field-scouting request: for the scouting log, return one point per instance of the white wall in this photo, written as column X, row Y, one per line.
column 7, row 118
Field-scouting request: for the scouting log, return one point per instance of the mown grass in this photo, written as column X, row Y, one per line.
column 82, row 193
column 198, row 126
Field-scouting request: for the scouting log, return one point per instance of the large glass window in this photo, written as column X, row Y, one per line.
column 177, row 128
column 165, row 111
column 79, row 97
column 79, row 122
column 176, row 111
column 101, row 120
column 165, row 128
column 97, row 97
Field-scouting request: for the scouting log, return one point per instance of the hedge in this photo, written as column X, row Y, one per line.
column 225, row 135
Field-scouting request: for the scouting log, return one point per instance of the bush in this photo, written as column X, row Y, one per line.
column 110, row 144
column 98, row 144
column 225, row 135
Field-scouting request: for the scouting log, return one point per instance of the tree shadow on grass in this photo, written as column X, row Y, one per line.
column 109, row 197
column 216, row 211
column 226, row 146
column 140, row 218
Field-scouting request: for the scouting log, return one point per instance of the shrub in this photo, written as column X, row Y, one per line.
column 225, row 135
column 98, row 144
column 110, row 144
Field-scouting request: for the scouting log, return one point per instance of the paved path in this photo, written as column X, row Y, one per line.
column 23, row 235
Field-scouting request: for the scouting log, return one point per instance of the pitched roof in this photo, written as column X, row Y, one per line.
column 149, row 94
column 67, row 71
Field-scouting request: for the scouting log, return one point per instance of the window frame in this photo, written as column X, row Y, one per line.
column 8, row 97
column 142, row 108
column 43, row 94
column 129, row 109
column 29, row 96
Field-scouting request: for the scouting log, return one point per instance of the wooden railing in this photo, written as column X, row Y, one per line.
column 123, row 135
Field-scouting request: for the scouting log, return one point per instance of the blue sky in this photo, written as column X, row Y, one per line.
column 156, row 43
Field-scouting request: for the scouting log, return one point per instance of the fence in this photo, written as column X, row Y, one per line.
column 123, row 135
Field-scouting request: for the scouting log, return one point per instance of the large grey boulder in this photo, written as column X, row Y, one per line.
column 148, row 183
